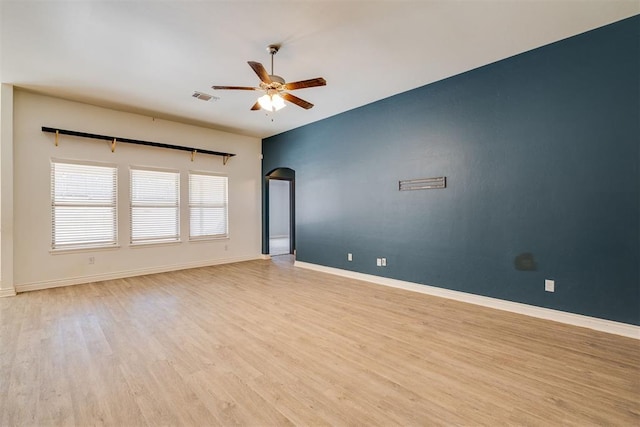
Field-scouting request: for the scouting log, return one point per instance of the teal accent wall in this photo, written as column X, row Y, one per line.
column 541, row 154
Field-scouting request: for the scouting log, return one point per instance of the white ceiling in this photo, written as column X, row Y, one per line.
column 149, row 56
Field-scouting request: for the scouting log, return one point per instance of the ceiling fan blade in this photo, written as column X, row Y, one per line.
column 234, row 87
column 295, row 100
column 256, row 106
column 318, row 81
column 260, row 71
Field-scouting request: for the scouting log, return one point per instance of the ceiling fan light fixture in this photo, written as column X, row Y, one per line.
column 278, row 102
column 271, row 102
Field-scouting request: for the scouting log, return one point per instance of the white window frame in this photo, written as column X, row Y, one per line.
column 133, row 204
column 59, row 203
column 195, row 205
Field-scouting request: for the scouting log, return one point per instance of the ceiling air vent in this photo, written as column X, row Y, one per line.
column 204, row 96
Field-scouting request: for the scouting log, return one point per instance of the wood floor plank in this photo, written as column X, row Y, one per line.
column 263, row 343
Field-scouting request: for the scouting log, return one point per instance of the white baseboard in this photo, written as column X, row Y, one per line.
column 7, row 293
column 35, row 286
column 265, row 256
column 609, row 326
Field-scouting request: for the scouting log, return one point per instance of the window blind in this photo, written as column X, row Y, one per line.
column 208, row 206
column 155, row 206
column 83, row 205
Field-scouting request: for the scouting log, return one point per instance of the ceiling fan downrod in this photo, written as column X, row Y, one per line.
column 273, row 49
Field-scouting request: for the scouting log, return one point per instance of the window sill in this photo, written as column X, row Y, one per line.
column 78, row 250
column 207, row 239
column 147, row 244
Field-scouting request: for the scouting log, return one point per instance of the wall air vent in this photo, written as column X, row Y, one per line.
column 204, row 96
column 422, row 183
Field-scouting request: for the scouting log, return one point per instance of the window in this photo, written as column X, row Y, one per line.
column 207, row 206
column 155, row 206
column 83, row 205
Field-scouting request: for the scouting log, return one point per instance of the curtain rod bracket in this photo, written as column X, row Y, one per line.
column 113, row 146
column 225, row 159
column 57, row 135
column 193, row 154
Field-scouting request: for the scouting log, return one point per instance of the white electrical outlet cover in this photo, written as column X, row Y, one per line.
column 550, row 285
column 349, row 257
column 379, row 262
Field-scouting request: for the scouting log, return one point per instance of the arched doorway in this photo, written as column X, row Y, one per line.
column 279, row 212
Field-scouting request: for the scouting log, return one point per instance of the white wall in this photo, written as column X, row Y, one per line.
column 36, row 267
column 6, row 191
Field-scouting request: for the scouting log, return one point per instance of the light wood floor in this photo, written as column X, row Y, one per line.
column 261, row 343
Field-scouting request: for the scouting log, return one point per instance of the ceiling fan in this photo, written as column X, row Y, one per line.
column 275, row 87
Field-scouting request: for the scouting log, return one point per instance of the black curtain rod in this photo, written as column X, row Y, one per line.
column 136, row 141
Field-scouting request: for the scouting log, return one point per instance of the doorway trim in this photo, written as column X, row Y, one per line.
column 284, row 174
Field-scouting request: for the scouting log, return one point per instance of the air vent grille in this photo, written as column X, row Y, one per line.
column 204, row 96
column 423, row 183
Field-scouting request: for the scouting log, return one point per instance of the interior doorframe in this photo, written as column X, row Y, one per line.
column 284, row 174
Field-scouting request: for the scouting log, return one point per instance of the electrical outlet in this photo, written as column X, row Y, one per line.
column 349, row 257
column 379, row 262
column 550, row 285
column 384, row 262
column 92, row 260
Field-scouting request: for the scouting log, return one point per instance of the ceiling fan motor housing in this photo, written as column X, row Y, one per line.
column 277, row 79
